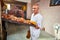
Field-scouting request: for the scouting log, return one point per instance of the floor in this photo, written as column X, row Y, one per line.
column 19, row 33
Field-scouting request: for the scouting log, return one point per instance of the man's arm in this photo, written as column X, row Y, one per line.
column 39, row 23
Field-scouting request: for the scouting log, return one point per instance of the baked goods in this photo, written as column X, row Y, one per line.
column 33, row 22
column 20, row 20
column 13, row 18
column 27, row 21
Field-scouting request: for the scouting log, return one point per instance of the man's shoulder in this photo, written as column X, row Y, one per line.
column 39, row 15
column 32, row 14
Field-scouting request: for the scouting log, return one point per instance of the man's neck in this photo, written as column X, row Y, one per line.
column 35, row 13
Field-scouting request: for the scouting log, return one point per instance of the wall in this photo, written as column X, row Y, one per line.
column 29, row 10
column 51, row 15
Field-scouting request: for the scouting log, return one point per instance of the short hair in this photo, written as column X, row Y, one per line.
column 36, row 4
column 5, row 5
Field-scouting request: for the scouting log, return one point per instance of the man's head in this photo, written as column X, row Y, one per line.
column 4, row 7
column 35, row 8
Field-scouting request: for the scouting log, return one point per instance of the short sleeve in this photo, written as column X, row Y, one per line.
column 39, row 21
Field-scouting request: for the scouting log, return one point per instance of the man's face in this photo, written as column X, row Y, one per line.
column 4, row 7
column 35, row 9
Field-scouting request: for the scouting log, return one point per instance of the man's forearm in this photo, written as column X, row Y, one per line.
column 36, row 26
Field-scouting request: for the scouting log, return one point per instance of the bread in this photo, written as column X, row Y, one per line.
column 33, row 23
column 27, row 21
column 21, row 20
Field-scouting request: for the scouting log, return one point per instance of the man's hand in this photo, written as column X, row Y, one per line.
column 43, row 29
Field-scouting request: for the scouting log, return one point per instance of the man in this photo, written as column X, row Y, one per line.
column 36, row 17
column 20, row 13
column 4, row 30
column 4, row 9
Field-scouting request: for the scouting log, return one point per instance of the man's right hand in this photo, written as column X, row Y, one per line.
column 43, row 28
